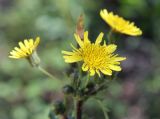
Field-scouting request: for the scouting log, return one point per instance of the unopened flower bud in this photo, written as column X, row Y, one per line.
column 34, row 59
column 59, row 108
column 67, row 89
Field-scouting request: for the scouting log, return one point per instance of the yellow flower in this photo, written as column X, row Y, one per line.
column 96, row 57
column 25, row 49
column 119, row 24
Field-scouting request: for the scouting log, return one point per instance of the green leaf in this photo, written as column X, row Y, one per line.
column 104, row 109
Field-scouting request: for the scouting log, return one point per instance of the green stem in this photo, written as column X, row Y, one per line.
column 79, row 104
column 46, row 72
column 109, row 36
column 78, row 83
column 80, row 70
column 87, row 81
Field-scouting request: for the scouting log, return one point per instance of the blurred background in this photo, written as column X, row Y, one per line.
column 25, row 93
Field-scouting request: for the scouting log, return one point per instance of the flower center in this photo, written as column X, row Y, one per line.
column 95, row 56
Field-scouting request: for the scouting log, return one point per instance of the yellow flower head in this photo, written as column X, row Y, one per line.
column 119, row 24
column 96, row 57
column 25, row 49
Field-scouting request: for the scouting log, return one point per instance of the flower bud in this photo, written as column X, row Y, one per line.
column 67, row 89
column 34, row 59
column 51, row 115
column 59, row 108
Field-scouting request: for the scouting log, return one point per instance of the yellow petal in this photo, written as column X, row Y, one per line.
column 92, row 72
column 20, row 51
column 15, row 57
column 78, row 39
column 15, row 54
column 68, row 53
column 74, row 47
column 36, row 42
column 116, row 63
column 119, row 58
column 26, row 43
column 97, row 71
column 111, row 48
column 22, row 46
column 133, row 31
column 85, row 67
column 99, row 38
column 31, row 42
column 106, row 71
column 115, row 68
column 103, row 13
column 86, row 40
column 71, row 59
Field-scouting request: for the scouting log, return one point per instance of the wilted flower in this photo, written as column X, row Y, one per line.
column 119, row 24
column 96, row 57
